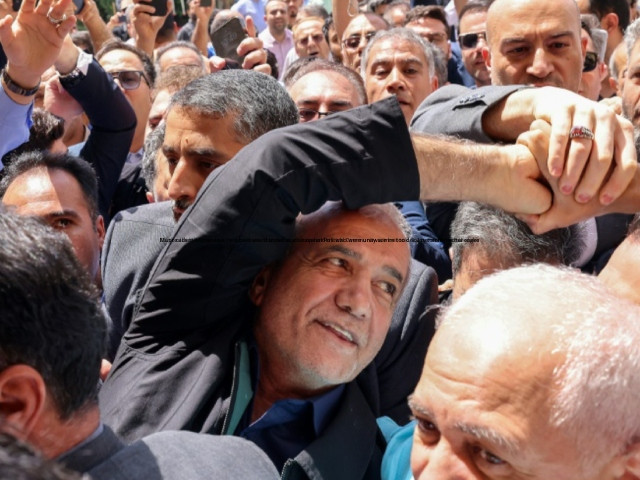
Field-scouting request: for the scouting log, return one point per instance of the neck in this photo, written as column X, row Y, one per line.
column 138, row 138
column 279, row 36
column 59, row 436
column 74, row 133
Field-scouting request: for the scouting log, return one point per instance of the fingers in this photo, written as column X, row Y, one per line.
column 5, row 29
column 625, row 164
column 251, row 49
column 251, row 27
column 216, row 64
column 264, row 68
column 579, row 153
column 560, row 126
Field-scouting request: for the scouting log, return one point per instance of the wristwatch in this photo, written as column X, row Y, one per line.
column 77, row 74
column 15, row 88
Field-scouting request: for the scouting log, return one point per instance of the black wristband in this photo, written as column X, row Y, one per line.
column 18, row 89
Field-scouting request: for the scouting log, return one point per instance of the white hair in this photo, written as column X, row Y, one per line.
column 597, row 383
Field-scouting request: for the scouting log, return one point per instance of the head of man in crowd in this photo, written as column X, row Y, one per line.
column 520, row 382
column 52, row 335
column 356, row 36
column 621, row 274
column 430, row 22
column 168, row 83
column 396, row 13
column 155, row 168
column 535, row 42
column 323, row 87
column 275, row 14
column 613, row 16
column 331, row 36
column 179, row 53
column 594, row 70
column 472, row 36
column 62, row 190
column 211, row 119
column 399, row 62
column 308, row 38
column 292, row 11
column 335, row 300
column 134, row 73
column 492, row 240
column 631, row 86
column 618, row 68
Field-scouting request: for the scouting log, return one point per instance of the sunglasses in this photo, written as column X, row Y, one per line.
column 590, row 62
column 354, row 41
column 129, row 79
column 308, row 115
column 470, row 40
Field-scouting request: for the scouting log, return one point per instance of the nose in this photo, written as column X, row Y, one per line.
column 541, row 65
column 354, row 297
column 395, row 81
column 183, row 182
column 440, row 462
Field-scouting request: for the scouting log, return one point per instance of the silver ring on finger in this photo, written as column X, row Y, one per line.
column 578, row 131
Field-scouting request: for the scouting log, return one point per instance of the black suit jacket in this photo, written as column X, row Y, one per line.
column 174, row 368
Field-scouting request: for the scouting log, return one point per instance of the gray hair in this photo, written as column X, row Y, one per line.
column 599, row 37
column 178, row 44
column 257, row 101
column 631, row 36
column 152, row 145
column 402, row 34
column 501, row 236
column 595, row 384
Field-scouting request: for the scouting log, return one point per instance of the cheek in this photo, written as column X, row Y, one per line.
column 419, row 457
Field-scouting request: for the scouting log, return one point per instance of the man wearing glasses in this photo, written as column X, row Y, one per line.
column 357, row 35
column 134, row 73
column 473, row 40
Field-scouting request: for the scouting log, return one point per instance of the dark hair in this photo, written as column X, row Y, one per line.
column 429, row 11
column 257, row 101
column 321, row 65
column 296, row 65
column 147, row 63
column 50, row 316
column 314, row 11
column 501, row 236
column 474, row 6
column 176, row 78
column 45, row 129
column 74, row 166
column 176, row 44
column 83, row 41
column 620, row 7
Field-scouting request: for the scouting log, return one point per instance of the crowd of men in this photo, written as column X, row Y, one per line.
column 393, row 241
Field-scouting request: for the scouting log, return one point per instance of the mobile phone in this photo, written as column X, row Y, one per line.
column 160, row 5
column 205, row 3
column 227, row 37
column 122, row 18
column 16, row 5
column 79, row 5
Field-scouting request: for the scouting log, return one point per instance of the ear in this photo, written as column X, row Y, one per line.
column 22, row 399
column 150, row 198
column 259, row 285
column 486, row 56
column 603, row 70
column 434, row 83
column 583, row 45
column 100, row 230
column 627, row 465
column 610, row 22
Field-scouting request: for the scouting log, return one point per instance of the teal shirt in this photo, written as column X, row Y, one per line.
column 396, row 462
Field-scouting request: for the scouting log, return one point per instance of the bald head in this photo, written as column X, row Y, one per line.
column 535, row 42
column 538, row 381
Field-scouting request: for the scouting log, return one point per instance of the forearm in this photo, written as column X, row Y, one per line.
column 512, row 116
column 340, row 12
column 200, row 37
column 98, row 30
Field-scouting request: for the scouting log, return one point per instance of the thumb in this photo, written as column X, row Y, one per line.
column 5, row 29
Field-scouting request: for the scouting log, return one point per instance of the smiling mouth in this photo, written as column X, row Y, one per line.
column 340, row 332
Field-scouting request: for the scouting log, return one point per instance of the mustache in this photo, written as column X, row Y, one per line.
column 182, row 203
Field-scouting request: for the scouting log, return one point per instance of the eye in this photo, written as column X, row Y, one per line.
column 337, row 262
column 428, row 430
column 61, row 223
column 558, row 45
column 489, row 457
column 381, row 72
column 207, row 165
column 517, row 51
column 388, row 288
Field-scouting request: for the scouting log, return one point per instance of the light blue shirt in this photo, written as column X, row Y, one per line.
column 15, row 121
column 254, row 9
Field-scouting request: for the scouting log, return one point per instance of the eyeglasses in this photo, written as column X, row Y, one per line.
column 470, row 40
column 308, row 115
column 436, row 37
column 129, row 79
column 354, row 41
column 590, row 62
